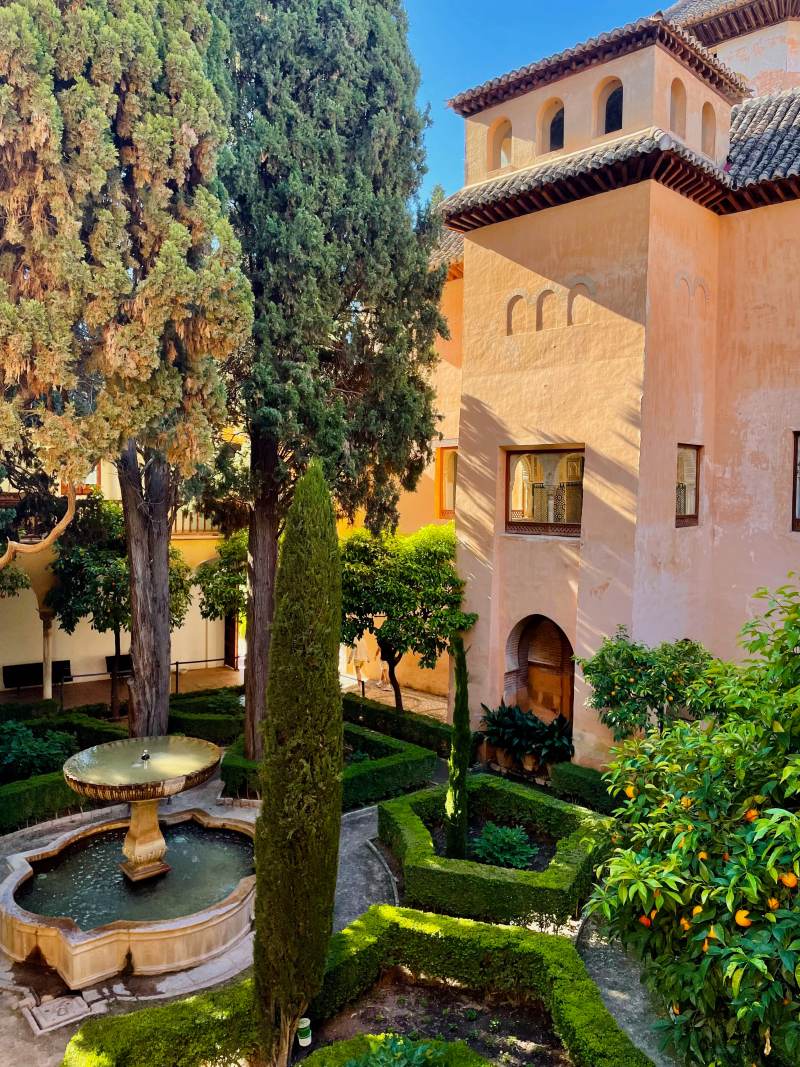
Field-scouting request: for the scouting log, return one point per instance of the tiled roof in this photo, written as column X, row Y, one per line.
column 685, row 12
column 630, row 38
column 522, row 182
column 765, row 167
column 449, row 250
column 714, row 21
column 765, row 138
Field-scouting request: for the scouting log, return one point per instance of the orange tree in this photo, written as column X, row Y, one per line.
column 704, row 881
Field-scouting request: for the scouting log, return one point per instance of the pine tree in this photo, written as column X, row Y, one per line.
column 456, row 802
column 297, row 832
column 120, row 285
column 327, row 156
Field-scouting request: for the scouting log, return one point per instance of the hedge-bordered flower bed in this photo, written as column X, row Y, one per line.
column 422, row 730
column 398, row 768
column 496, row 894
column 482, row 958
column 454, row 1054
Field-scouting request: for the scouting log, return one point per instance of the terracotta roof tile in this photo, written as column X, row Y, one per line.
column 686, row 12
column 765, row 138
column 714, row 21
column 636, row 35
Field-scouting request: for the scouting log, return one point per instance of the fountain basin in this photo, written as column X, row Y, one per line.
column 84, row 957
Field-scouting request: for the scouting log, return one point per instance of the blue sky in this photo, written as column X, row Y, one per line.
column 461, row 43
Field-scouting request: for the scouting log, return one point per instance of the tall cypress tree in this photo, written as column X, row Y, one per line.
column 120, row 285
column 297, row 832
column 325, row 164
column 456, row 802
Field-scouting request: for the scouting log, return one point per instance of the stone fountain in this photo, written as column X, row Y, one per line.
column 142, row 772
column 67, row 904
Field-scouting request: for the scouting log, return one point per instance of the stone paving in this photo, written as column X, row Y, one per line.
column 27, row 998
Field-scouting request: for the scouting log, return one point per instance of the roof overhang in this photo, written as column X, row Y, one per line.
column 632, row 38
column 652, row 156
column 733, row 18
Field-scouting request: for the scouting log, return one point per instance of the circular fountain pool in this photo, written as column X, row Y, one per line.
column 69, row 904
column 85, row 883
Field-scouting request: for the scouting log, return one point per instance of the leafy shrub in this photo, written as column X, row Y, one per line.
column 395, row 1051
column 635, row 686
column 521, row 733
column 704, row 883
column 504, row 846
column 483, row 958
column 23, row 753
column 477, row 891
column 369, row 1049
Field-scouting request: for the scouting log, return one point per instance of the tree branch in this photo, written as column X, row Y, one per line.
column 15, row 548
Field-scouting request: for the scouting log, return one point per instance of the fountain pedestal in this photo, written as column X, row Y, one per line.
column 144, row 846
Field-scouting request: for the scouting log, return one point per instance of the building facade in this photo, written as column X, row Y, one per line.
column 621, row 389
column 30, row 636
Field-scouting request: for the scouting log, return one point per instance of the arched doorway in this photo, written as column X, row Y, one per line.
column 540, row 671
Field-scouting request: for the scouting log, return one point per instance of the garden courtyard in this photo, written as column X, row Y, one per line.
column 399, row 514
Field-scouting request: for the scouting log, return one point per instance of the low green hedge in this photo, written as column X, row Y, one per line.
column 209, row 701
column 482, row 958
column 582, row 785
column 451, row 1054
column 45, row 796
column 408, row 726
column 87, row 730
column 23, row 710
column 222, row 729
column 402, row 768
column 496, row 894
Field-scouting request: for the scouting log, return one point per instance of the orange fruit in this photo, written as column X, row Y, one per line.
column 705, row 945
column 685, row 924
column 645, row 920
column 697, row 909
column 773, row 903
column 726, row 856
column 743, row 918
column 676, row 1009
column 630, row 791
column 653, row 913
column 789, row 880
column 751, row 815
column 702, row 855
column 686, row 802
column 712, row 933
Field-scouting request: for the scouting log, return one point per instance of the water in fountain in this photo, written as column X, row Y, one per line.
column 85, row 882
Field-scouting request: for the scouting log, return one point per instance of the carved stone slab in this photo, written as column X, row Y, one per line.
column 52, row 1014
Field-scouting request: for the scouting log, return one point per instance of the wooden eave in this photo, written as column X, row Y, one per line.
column 736, row 22
column 663, row 166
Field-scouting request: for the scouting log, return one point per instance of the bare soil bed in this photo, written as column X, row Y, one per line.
column 503, row 1032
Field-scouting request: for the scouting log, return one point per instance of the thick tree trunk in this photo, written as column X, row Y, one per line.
column 262, row 561
column 115, row 677
column 147, row 495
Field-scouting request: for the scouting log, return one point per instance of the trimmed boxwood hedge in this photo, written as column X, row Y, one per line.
column 222, row 729
column 397, row 768
column 408, row 726
column 45, row 796
column 454, row 1054
column 496, row 894
column 23, row 710
column 483, row 958
column 582, row 785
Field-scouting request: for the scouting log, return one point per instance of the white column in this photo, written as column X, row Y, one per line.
column 47, row 655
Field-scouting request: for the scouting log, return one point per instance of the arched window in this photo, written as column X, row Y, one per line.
column 709, row 131
column 551, row 127
column 501, row 146
column 677, row 108
column 610, row 107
